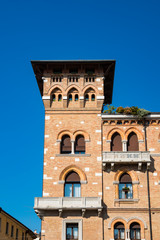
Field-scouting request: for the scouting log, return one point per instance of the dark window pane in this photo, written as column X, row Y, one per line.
column 132, row 144
column 116, row 142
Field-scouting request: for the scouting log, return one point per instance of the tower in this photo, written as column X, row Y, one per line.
column 73, row 94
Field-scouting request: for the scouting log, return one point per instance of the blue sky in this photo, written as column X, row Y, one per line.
column 127, row 31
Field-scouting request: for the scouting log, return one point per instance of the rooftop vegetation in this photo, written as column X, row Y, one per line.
column 139, row 112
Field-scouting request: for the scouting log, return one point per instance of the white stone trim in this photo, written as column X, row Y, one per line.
column 100, row 97
column 98, row 131
column 45, row 194
column 98, row 79
column 135, row 182
column 121, row 116
column 46, row 136
column 81, row 97
column 45, row 150
column 47, row 117
column 46, row 97
column 83, row 181
column 87, row 169
column 61, row 182
column 99, row 159
column 98, row 174
column 64, row 97
column 64, row 223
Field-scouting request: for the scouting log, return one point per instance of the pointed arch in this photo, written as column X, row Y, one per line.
column 74, row 168
column 135, row 130
column 89, row 86
column 51, row 89
column 113, row 130
column 72, row 86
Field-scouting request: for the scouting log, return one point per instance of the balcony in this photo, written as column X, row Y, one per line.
column 60, row 204
column 126, row 158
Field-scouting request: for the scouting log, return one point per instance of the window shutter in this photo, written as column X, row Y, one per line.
column 135, row 225
column 116, row 142
column 79, row 144
column 119, row 225
column 125, row 178
column 72, row 177
column 133, row 142
column 66, row 144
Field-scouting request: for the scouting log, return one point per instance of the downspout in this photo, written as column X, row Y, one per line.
column 102, row 179
column 148, row 189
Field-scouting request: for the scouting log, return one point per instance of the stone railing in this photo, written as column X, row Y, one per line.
column 42, row 204
column 126, row 157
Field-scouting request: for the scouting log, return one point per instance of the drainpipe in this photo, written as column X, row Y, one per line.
column 102, row 178
column 148, row 189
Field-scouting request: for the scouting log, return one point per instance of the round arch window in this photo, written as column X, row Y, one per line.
column 119, row 231
column 135, row 231
column 72, row 186
column 125, row 187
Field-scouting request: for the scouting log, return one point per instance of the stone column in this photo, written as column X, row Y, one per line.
column 72, row 146
column 64, row 101
column 124, row 146
column 81, row 98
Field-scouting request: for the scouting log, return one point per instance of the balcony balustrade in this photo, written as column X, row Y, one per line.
column 126, row 158
column 43, row 204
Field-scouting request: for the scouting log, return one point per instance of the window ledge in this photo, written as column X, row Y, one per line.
column 73, row 155
column 133, row 200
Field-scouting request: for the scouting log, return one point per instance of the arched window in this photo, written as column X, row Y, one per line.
column 70, row 97
column 54, row 97
column 135, row 231
column 76, row 97
column 72, row 186
column 80, row 145
column 86, row 97
column 93, row 97
column 66, row 144
column 132, row 144
column 119, row 231
column 125, row 187
column 116, row 142
column 59, row 97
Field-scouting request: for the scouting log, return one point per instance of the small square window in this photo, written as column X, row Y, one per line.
column 72, row 229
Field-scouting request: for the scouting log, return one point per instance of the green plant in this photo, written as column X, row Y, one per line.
column 120, row 110
column 125, row 189
column 142, row 112
column 134, row 110
column 110, row 109
column 127, row 110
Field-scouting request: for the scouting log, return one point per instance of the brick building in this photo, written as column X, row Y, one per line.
column 101, row 177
